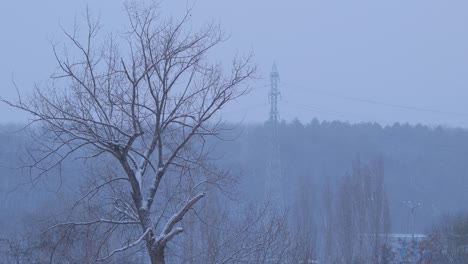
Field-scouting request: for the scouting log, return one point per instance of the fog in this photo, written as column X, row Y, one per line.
column 408, row 53
column 366, row 158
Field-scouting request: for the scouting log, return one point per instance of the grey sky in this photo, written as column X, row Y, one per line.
column 361, row 60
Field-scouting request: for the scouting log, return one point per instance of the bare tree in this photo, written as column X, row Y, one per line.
column 345, row 216
column 147, row 108
column 303, row 222
column 236, row 232
column 328, row 222
column 363, row 213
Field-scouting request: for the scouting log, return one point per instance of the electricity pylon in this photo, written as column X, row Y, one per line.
column 274, row 191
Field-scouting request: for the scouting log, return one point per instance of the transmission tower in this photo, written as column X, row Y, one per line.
column 274, row 95
column 273, row 186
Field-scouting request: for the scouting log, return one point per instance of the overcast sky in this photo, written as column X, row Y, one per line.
column 360, row 60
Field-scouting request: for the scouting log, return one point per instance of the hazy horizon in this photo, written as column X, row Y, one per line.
column 364, row 61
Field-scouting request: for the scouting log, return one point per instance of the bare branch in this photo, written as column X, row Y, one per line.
column 126, row 247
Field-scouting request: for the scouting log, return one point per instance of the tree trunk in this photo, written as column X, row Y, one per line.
column 157, row 257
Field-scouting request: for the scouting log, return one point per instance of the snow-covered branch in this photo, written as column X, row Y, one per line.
column 171, row 235
column 126, row 212
column 169, row 232
column 99, row 221
column 126, row 247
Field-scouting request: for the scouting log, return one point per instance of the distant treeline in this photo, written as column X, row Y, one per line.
column 422, row 164
column 426, row 165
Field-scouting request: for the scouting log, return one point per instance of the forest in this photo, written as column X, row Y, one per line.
column 327, row 171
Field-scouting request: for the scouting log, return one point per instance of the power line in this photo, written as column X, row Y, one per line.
column 375, row 102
